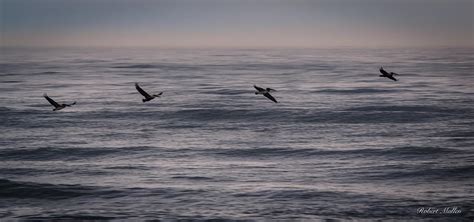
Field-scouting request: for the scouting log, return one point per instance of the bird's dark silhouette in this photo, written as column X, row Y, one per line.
column 387, row 75
column 56, row 105
column 265, row 92
column 147, row 96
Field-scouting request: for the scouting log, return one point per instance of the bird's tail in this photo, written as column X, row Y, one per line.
column 144, row 100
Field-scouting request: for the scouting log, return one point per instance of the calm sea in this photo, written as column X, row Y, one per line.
column 342, row 143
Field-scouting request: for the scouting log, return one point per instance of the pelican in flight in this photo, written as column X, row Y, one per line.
column 56, row 105
column 147, row 96
column 388, row 75
column 265, row 92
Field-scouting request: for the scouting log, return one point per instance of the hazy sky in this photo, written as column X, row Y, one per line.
column 237, row 23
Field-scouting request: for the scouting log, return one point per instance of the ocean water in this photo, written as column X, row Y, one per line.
column 341, row 144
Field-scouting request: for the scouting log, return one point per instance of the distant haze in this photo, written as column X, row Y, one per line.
column 237, row 23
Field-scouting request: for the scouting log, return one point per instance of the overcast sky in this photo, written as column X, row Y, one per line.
column 237, row 23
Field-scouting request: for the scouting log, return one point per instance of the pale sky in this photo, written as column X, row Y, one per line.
column 237, row 23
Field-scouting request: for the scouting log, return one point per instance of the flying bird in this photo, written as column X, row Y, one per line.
column 388, row 75
column 56, row 105
column 147, row 96
column 265, row 92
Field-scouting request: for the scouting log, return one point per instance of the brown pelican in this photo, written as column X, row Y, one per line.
column 265, row 92
column 147, row 96
column 56, row 105
column 388, row 75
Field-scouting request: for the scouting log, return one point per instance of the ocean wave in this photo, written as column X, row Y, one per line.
column 305, row 194
column 458, row 173
column 356, row 91
column 34, row 118
column 50, row 153
column 219, row 114
column 409, row 108
column 187, row 115
column 68, row 217
column 227, row 92
column 137, row 66
column 161, row 66
column 351, row 117
column 305, row 67
column 192, row 178
column 455, row 134
column 358, row 115
column 32, row 190
column 393, row 153
column 87, row 153
column 417, row 150
column 368, row 114
column 10, row 81
column 47, row 73
column 128, row 167
column 267, row 152
column 10, row 111
column 25, row 190
column 30, row 171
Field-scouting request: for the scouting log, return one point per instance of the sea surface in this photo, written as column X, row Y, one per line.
column 341, row 144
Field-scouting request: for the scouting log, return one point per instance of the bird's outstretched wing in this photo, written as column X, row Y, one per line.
column 54, row 103
column 141, row 91
column 270, row 97
column 258, row 88
column 392, row 73
column 74, row 103
column 270, row 89
column 383, row 71
column 392, row 78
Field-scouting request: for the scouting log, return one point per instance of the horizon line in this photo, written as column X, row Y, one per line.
column 234, row 47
